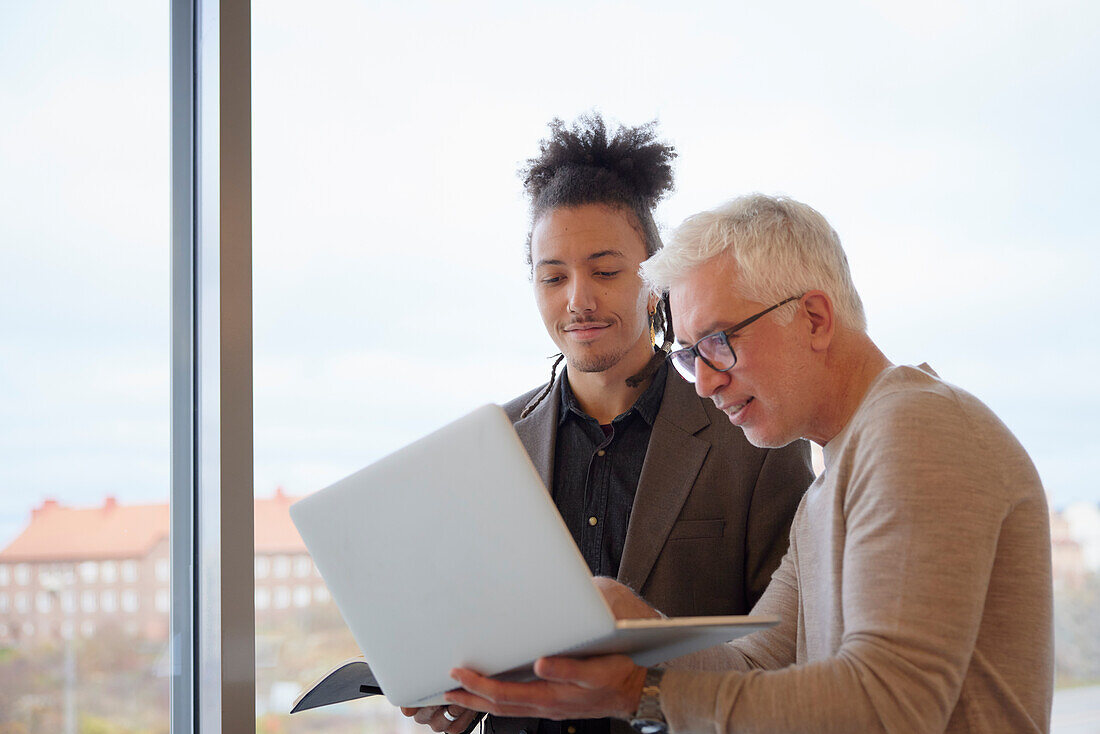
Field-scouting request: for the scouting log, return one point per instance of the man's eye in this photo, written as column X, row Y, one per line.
column 714, row 341
column 550, row 279
column 608, row 273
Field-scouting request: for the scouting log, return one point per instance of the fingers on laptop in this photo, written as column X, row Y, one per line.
column 462, row 719
column 451, row 719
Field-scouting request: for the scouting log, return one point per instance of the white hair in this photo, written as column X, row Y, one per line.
column 780, row 246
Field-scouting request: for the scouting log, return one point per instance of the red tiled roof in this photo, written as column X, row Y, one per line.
column 275, row 532
column 60, row 533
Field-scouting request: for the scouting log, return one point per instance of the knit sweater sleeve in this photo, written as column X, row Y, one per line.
column 921, row 510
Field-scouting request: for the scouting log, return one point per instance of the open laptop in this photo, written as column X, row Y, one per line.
column 450, row 553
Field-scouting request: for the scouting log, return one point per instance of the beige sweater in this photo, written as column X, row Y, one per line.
column 916, row 594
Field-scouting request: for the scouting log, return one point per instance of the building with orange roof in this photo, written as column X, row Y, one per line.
column 75, row 571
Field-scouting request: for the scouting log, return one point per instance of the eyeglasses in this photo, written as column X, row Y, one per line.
column 715, row 350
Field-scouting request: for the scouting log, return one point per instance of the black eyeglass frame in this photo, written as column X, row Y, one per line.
column 676, row 356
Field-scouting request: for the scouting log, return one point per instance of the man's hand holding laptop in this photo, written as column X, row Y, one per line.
column 567, row 683
column 595, row 688
column 451, row 719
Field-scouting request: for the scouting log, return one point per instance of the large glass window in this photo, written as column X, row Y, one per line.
column 390, row 289
column 391, row 294
column 84, row 365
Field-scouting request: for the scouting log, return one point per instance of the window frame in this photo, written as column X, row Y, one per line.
column 211, row 617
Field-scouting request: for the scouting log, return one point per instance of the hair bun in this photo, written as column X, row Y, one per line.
column 640, row 163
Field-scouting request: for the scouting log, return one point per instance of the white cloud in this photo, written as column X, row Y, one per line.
column 950, row 145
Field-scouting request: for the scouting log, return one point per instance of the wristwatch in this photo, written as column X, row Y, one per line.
column 649, row 719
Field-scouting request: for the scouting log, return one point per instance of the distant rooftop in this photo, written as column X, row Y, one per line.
column 57, row 532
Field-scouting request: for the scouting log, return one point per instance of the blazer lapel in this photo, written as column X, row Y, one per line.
column 672, row 462
column 539, row 434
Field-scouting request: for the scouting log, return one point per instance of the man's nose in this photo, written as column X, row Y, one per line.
column 582, row 296
column 708, row 380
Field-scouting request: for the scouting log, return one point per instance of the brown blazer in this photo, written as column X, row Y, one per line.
column 711, row 515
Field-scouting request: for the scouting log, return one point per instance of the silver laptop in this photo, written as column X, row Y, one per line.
column 450, row 553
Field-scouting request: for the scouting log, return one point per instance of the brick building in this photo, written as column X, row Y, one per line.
column 81, row 570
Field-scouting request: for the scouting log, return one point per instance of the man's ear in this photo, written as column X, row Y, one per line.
column 652, row 302
column 818, row 310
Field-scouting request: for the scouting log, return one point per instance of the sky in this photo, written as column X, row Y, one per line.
column 951, row 145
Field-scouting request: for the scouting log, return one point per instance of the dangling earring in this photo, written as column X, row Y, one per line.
column 652, row 329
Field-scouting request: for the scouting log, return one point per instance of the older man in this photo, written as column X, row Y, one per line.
column 916, row 593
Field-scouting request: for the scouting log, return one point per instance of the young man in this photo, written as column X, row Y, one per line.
column 916, row 595
column 657, row 488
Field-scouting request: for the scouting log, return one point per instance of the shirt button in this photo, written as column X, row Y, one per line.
column 571, row 730
column 592, row 521
column 601, row 452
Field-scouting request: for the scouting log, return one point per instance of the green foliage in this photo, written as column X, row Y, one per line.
column 117, row 688
column 96, row 725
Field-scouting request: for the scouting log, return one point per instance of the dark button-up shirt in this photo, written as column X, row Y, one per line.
column 596, row 473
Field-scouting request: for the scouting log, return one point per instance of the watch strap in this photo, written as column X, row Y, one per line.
column 649, row 719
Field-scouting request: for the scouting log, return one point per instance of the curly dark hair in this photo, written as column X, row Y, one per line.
column 580, row 164
column 629, row 170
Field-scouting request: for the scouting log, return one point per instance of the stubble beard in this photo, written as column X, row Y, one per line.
column 593, row 362
column 766, row 442
column 769, row 432
column 596, row 359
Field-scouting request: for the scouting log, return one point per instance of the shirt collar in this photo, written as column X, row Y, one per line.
column 647, row 404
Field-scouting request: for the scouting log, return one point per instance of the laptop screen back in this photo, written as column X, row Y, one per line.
column 450, row 553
